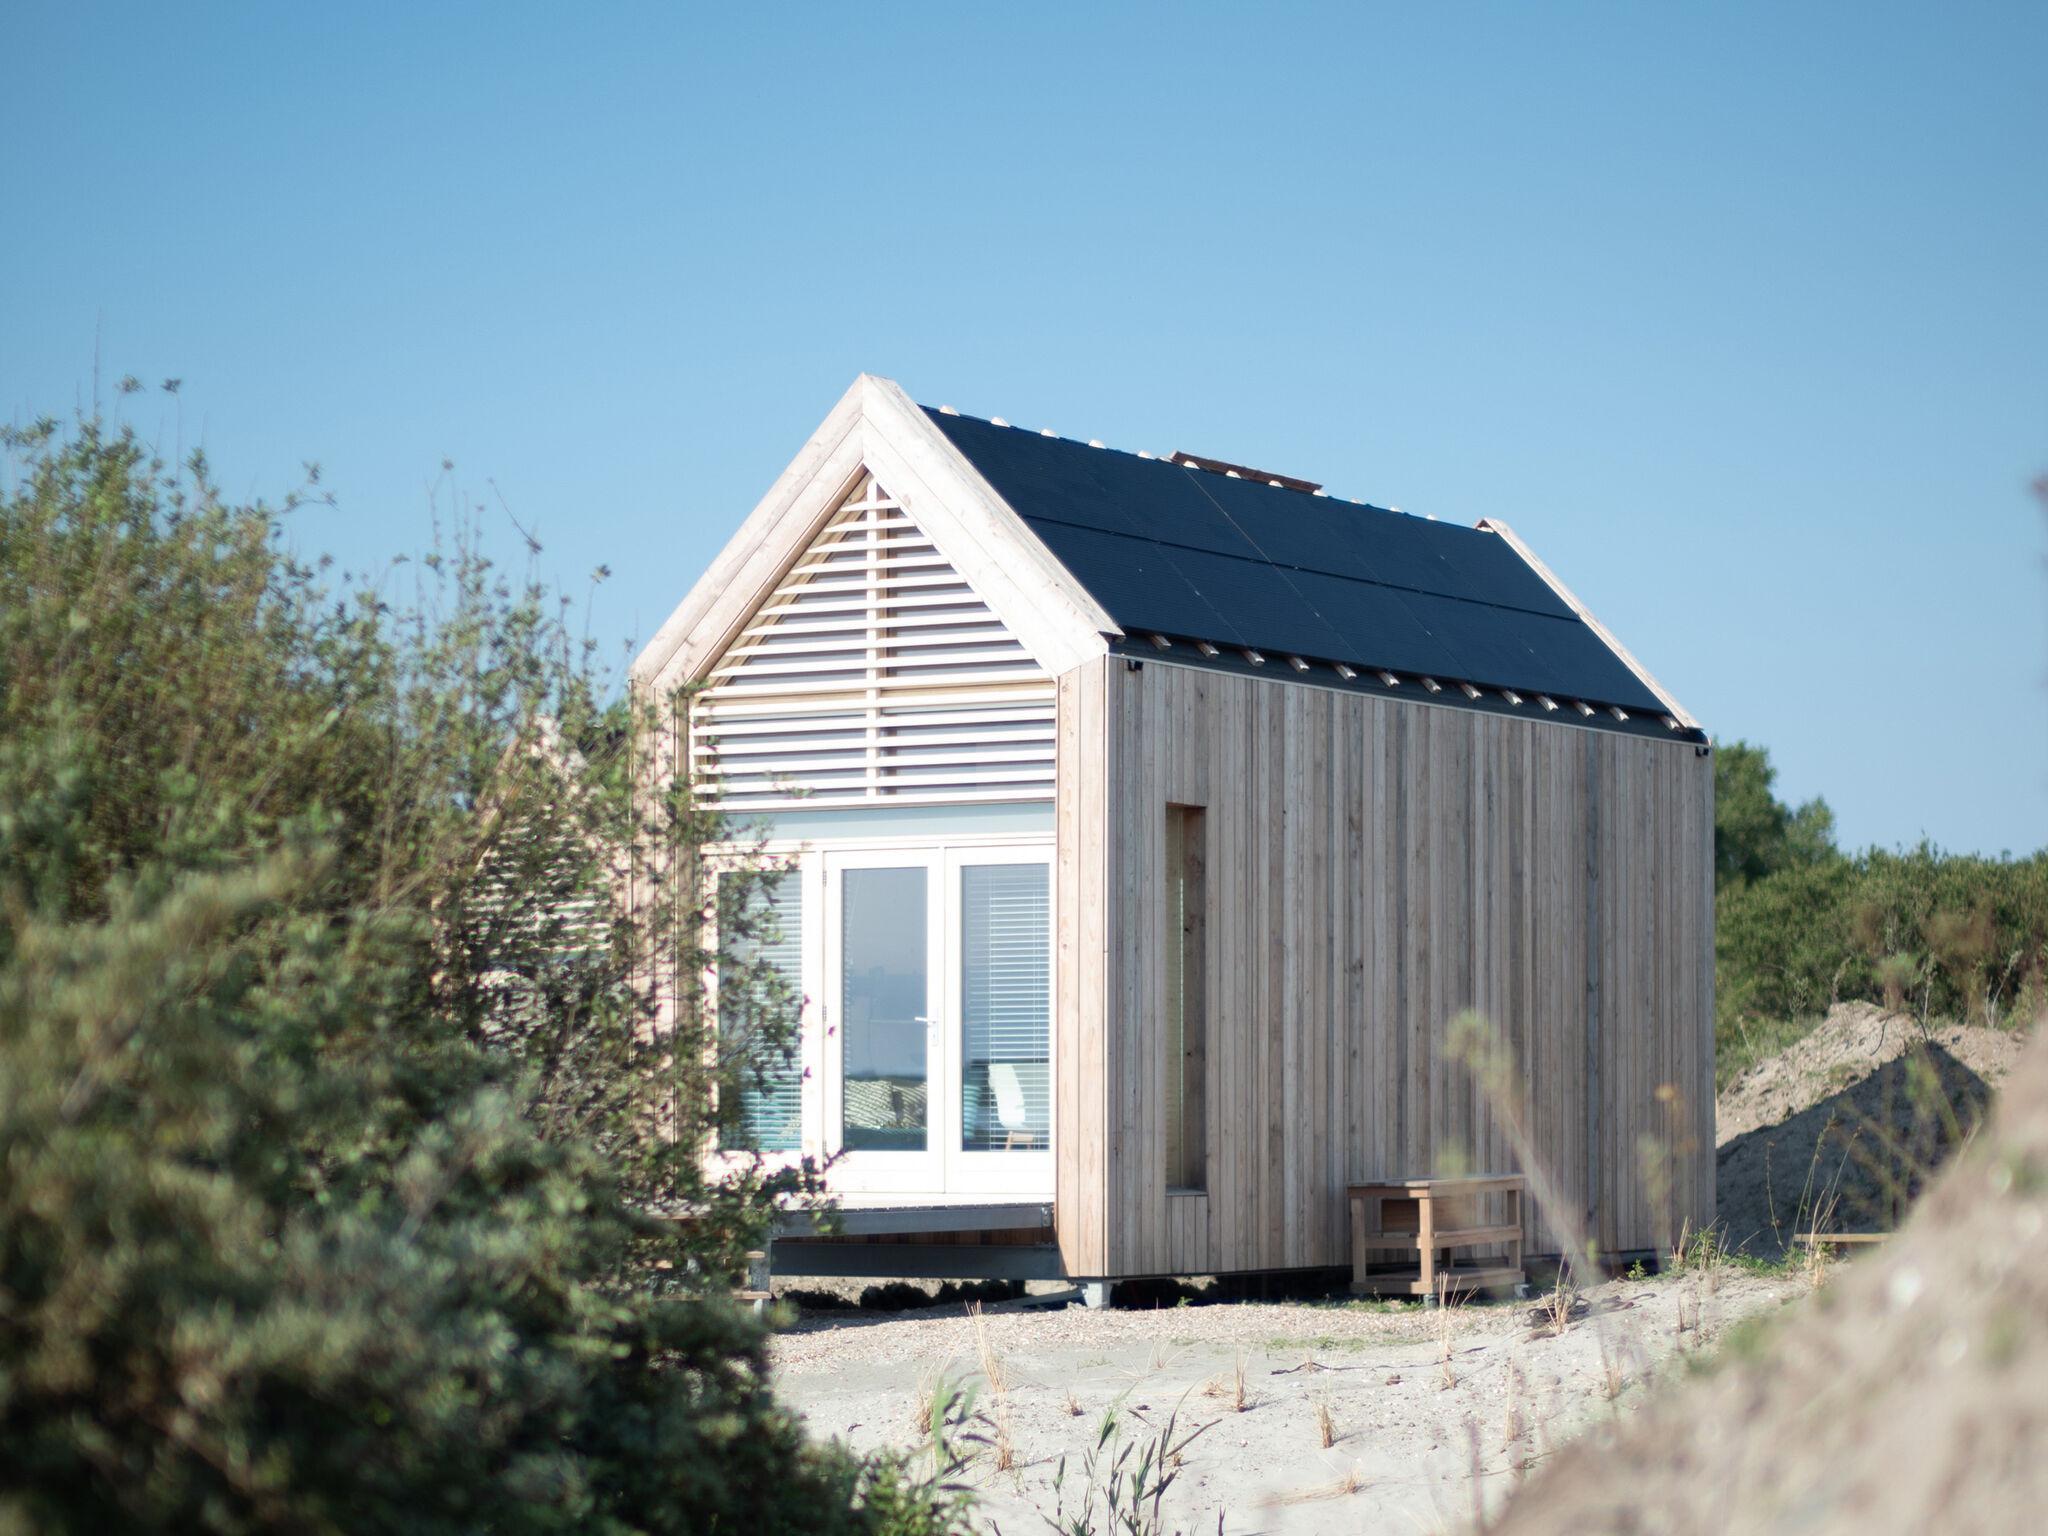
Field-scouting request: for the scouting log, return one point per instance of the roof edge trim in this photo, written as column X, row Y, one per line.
column 876, row 426
column 1607, row 637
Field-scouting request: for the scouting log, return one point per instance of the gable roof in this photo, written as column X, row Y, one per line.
column 1191, row 554
column 877, row 429
column 1082, row 549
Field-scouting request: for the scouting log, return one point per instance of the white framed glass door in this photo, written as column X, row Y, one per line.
column 884, row 989
column 937, row 1068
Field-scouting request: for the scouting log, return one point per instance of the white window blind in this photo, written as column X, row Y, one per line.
column 1006, row 1008
column 760, row 994
column 873, row 674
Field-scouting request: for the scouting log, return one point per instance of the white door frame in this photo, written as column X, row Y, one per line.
column 944, row 1170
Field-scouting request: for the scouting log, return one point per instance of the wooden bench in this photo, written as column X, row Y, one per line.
column 1435, row 1221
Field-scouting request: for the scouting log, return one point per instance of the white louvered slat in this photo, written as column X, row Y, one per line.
column 873, row 674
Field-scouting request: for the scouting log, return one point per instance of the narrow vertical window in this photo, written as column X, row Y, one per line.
column 760, row 995
column 1187, row 1145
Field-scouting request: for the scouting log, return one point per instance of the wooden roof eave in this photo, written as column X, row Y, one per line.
column 875, row 426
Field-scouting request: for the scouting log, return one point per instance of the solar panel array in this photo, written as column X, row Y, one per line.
column 1192, row 554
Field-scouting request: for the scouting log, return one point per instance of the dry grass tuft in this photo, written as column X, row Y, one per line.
column 1700, row 1253
column 1514, row 1428
column 1343, row 1487
column 1448, row 1304
column 1557, row 1306
column 1688, row 1320
column 1613, row 1372
column 1326, row 1426
column 1820, row 1256
column 996, row 1373
column 1232, row 1388
column 928, row 1404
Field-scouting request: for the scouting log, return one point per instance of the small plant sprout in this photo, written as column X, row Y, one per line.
column 1123, row 1485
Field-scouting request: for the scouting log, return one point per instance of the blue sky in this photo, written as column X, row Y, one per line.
column 1738, row 313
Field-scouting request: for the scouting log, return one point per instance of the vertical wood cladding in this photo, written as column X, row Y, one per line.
column 1375, row 867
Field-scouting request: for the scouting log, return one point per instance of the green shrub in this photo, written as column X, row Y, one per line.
column 302, row 1224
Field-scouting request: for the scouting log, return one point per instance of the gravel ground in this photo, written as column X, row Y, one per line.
column 1417, row 1401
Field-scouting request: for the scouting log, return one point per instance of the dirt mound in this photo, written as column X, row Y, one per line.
column 1915, row 1400
column 1850, row 1043
column 1843, row 1128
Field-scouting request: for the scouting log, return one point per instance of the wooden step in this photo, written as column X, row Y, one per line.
column 1453, row 1237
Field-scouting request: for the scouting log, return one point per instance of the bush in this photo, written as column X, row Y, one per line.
column 302, row 1224
column 1800, row 926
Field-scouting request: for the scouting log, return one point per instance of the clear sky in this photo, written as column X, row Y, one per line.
column 1738, row 313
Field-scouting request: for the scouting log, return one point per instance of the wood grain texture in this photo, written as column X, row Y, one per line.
column 1375, row 867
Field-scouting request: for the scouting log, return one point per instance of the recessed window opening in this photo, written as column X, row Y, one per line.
column 1186, row 1064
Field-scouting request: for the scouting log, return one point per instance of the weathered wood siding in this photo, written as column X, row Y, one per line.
column 1375, row 866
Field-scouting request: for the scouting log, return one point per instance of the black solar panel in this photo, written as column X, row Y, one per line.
column 1188, row 552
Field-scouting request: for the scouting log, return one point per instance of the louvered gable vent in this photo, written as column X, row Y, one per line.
column 873, row 674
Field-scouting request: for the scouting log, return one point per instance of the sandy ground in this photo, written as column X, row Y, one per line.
column 1414, row 1414
column 1434, row 1417
column 1913, row 1396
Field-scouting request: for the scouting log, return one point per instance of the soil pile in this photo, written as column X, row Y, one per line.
column 1842, row 1129
column 1915, row 1398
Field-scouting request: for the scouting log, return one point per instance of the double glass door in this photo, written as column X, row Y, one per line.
column 937, row 1020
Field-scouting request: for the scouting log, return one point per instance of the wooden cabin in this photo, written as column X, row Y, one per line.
column 1148, row 818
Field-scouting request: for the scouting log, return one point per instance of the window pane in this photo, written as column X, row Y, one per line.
column 882, row 958
column 760, row 994
column 1005, row 1008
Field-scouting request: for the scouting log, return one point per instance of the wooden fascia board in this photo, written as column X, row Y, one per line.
column 1565, row 595
column 756, row 556
column 876, row 426
column 1052, row 615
